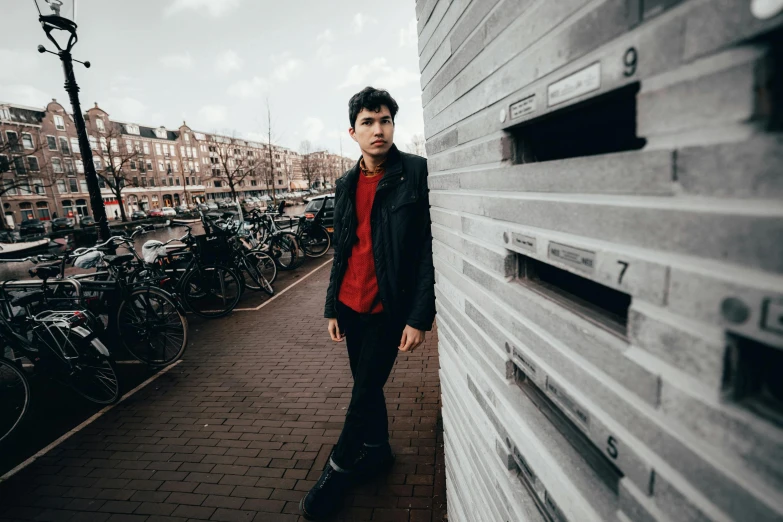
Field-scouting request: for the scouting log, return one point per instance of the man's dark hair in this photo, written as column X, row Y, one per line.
column 371, row 99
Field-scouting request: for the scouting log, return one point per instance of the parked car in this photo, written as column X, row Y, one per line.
column 202, row 207
column 63, row 223
column 168, row 211
column 182, row 209
column 315, row 205
column 32, row 227
column 87, row 221
column 156, row 212
column 138, row 214
column 212, row 206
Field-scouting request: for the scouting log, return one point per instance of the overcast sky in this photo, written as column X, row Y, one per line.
column 214, row 62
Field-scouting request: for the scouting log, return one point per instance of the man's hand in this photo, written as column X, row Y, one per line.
column 334, row 331
column 411, row 339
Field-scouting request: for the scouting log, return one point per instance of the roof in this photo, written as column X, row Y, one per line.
column 146, row 132
column 22, row 114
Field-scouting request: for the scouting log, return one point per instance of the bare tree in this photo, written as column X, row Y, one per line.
column 417, row 145
column 270, row 172
column 232, row 165
column 309, row 162
column 24, row 167
column 118, row 163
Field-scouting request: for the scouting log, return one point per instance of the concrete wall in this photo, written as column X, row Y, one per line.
column 559, row 401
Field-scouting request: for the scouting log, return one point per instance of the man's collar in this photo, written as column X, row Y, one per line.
column 378, row 168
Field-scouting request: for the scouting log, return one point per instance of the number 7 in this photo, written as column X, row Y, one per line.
column 622, row 272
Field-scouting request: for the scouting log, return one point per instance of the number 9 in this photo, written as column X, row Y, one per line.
column 629, row 60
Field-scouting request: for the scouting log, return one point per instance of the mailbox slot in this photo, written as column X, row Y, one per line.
column 600, row 125
column 601, row 305
column 752, row 377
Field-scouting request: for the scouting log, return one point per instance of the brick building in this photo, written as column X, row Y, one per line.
column 43, row 174
column 605, row 181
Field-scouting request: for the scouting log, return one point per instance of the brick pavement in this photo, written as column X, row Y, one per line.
column 240, row 430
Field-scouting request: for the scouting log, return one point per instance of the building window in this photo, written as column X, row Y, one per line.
column 73, row 184
column 57, row 165
column 93, row 143
column 75, row 145
column 32, row 162
column 132, row 165
column 157, row 149
column 218, row 184
column 80, row 166
column 173, row 150
column 149, row 165
column 27, row 141
column 13, row 141
column 97, row 163
column 135, row 181
column 69, row 170
column 129, row 146
column 146, row 148
column 160, row 165
column 5, row 114
column 177, row 181
column 19, row 166
column 114, row 147
column 83, row 185
column 27, row 210
column 64, row 146
column 10, row 187
column 61, row 188
column 59, row 122
column 43, row 210
column 4, row 165
column 132, row 129
column 143, row 182
column 152, row 182
column 51, row 141
column 161, row 133
column 39, row 186
column 99, row 124
column 103, row 143
column 187, row 137
column 24, row 189
column 197, row 167
column 171, row 182
column 174, row 165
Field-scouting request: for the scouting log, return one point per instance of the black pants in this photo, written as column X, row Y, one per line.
column 372, row 349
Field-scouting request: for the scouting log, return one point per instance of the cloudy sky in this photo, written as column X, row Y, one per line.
column 213, row 63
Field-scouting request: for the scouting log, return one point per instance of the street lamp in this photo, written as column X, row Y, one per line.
column 58, row 21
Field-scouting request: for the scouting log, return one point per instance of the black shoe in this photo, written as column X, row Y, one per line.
column 326, row 497
column 373, row 461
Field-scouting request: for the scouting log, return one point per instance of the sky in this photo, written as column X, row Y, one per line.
column 214, row 63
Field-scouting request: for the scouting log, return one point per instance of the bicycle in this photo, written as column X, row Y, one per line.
column 197, row 271
column 312, row 236
column 281, row 245
column 145, row 319
column 58, row 343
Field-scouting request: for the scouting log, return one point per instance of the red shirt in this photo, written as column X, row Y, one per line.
column 359, row 289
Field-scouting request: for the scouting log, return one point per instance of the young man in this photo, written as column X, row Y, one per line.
column 381, row 296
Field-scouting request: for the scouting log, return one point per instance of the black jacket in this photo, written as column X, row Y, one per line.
column 401, row 240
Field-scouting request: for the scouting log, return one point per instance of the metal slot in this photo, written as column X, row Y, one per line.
column 751, row 377
column 600, row 125
column 599, row 304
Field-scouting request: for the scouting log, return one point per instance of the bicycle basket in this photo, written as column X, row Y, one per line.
column 213, row 247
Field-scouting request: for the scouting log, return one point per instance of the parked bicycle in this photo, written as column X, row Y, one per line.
column 57, row 343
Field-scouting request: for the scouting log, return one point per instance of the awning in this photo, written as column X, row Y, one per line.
column 299, row 184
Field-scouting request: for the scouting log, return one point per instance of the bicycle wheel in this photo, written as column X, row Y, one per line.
column 254, row 267
column 14, row 397
column 151, row 326
column 93, row 374
column 265, row 264
column 211, row 290
column 286, row 251
column 316, row 241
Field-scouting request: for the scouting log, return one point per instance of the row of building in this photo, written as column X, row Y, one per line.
column 139, row 167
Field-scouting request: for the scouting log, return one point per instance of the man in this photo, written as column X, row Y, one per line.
column 381, row 296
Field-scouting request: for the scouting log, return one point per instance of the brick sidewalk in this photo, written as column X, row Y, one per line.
column 240, row 430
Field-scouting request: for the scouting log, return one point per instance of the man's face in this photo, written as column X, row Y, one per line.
column 374, row 131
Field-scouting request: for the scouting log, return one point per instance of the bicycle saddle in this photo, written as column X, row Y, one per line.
column 118, row 260
column 45, row 272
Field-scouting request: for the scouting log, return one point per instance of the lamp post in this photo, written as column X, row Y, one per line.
column 56, row 21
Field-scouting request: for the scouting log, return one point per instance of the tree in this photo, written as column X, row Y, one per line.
column 24, row 166
column 417, row 145
column 270, row 172
column 117, row 163
column 309, row 162
column 231, row 164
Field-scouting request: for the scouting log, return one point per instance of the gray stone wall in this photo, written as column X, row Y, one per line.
column 610, row 297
